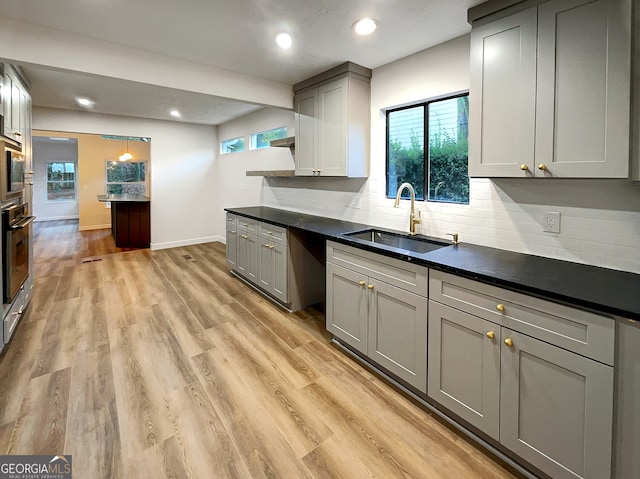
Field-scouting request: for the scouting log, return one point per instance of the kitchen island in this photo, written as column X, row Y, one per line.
column 130, row 219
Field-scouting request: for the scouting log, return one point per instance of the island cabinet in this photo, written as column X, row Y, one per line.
column 378, row 306
column 550, row 90
column 332, row 123
column 533, row 375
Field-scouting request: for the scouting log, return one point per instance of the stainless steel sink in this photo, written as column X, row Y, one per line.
column 404, row 242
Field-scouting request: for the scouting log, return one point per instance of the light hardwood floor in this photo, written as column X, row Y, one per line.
column 161, row 364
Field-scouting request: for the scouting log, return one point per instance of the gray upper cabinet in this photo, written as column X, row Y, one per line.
column 503, row 95
column 565, row 66
column 333, row 123
column 16, row 105
column 556, row 408
column 464, row 366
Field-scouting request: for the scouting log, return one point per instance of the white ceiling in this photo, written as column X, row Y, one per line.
column 236, row 35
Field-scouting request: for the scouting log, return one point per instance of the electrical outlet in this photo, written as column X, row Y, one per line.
column 552, row 222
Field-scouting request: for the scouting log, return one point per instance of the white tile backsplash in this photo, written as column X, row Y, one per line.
column 609, row 238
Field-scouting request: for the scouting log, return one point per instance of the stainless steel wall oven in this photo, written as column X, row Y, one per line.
column 11, row 171
column 16, row 229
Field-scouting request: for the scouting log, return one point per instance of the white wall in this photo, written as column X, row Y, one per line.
column 184, row 197
column 600, row 222
column 235, row 188
column 42, row 153
column 25, row 43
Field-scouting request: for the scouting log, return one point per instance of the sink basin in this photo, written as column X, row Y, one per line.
column 404, row 242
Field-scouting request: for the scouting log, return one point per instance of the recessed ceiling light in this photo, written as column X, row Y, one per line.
column 84, row 101
column 366, row 26
column 284, row 41
column 175, row 113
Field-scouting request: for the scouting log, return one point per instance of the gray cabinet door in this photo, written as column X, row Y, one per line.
column 247, row 259
column 398, row 332
column 232, row 248
column 333, row 127
column 272, row 269
column 464, row 366
column 583, row 99
column 306, row 106
column 556, row 408
column 280, row 271
column 503, row 96
column 347, row 306
column 265, row 266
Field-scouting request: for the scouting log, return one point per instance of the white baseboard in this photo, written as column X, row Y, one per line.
column 189, row 242
column 94, row 227
column 56, row 218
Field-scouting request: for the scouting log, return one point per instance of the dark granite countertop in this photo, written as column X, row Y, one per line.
column 600, row 289
column 123, row 198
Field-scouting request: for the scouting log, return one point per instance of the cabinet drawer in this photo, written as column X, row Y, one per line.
column 247, row 225
column 582, row 332
column 272, row 233
column 408, row 276
column 13, row 316
column 232, row 221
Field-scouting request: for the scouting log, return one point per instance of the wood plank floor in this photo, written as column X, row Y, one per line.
column 161, row 364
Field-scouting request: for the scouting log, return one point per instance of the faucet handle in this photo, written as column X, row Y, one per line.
column 455, row 237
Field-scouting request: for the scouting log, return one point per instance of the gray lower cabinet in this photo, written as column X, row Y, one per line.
column 383, row 321
column 464, row 366
column 232, row 241
column 534, row 375
column 347, row 310
column 247, row 259
column 556, row 408
column 272, row 270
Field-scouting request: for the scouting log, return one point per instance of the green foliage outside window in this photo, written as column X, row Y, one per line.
column 447, row 163
column 128, row 177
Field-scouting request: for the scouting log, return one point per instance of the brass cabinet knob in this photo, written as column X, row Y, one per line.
column 269, row 232
column 18, row 133
column 233, row 232
column 361, row 283
column 270, row 246
column 245, row 224
column 370, row 286
column 500, row 307
column 524, row 167
column 508, row 342
column 244, row 236
column 542, row 166
column 491, row 335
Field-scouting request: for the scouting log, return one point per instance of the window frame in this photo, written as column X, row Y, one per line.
column 75, row 182
column 145, row 182
column 223, row 142
column 253, row 137
column 426, row 143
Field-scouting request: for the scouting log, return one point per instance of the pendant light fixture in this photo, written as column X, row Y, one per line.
column 126, row 156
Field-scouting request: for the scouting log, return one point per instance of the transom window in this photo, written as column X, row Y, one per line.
column 262, row 139
column 61, row 181
column 442, row 174
column 233, row 145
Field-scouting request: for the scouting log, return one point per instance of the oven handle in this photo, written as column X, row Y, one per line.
column 22, row 223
